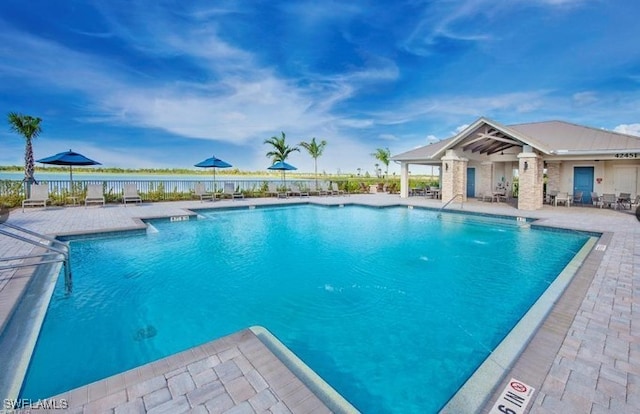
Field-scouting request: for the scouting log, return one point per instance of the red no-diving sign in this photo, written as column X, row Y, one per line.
column 518, row 386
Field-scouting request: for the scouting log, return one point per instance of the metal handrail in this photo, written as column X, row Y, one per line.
column 449, row 202
column 57, row 249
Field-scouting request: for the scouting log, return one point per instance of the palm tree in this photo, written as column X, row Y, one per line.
column 315, row 150
column 280, row 152
column 29, row 127
column 280, row 149
column 383, row 155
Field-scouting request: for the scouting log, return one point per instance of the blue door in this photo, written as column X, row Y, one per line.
column 471, row 182
column 583, row 181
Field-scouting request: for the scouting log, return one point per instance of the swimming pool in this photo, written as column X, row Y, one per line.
column 394, row 307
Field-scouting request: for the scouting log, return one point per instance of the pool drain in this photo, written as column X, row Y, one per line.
column 147, row 332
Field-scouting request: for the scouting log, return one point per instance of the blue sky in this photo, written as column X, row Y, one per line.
column 165, row 84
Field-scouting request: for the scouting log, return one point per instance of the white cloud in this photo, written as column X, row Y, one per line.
column 584, row 98
column 431, row 139
column 629, row 129
column 460, row 128
column 388, row 137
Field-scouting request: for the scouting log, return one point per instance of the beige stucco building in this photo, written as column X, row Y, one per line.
column 487, row 155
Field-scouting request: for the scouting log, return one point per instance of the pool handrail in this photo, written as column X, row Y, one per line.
column 57, row 248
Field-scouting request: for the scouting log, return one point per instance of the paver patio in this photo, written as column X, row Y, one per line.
column 595, row 367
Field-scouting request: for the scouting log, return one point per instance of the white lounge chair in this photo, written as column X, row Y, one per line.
column 94, row 195
column 39, row 196
column 200, row 191
column 335, row 190
column 131, row 194
column 324, row 189
column 272, row 189
column 230, row 190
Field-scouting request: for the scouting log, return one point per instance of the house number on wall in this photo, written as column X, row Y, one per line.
column 627, row 155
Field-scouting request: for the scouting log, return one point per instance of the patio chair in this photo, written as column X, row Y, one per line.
column 95, row 195
column 200, row 191
column 335, row 190
column 563, row 198
column 636, row 202
column 131, row 194
column 272, row 189
column 39, row 196
column 230, row 190
column 596, row 199
column 294, row 190
column 324, row 189
column 624, row 200
column 304, row 190
column 577, row 198
column 551, row 196
column 609, row 200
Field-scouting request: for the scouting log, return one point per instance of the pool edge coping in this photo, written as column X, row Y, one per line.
column 140, row 225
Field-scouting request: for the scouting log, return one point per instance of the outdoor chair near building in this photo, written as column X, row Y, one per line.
column 131, row 194
column 562, row 197
column 596, row 199
column 577, row 198
column 95, row 195
column 636, row 202
column 624, row 200
column 39, row 196
column 609, row 200
column 551, row 196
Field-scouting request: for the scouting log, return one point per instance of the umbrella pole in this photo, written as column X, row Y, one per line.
column 71, row 178
column 214, row 184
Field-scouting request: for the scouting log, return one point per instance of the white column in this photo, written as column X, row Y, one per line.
column 404, row 180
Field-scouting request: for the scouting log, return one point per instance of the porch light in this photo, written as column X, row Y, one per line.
column 526, row 165
column 446, row 166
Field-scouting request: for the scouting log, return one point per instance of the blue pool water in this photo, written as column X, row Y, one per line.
column 394, row 307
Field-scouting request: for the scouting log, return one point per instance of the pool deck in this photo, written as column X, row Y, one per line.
column 585, row 358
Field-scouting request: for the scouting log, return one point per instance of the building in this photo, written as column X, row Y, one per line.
column 487, row 156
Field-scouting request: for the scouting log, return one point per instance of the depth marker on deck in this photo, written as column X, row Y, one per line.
column 514, row 399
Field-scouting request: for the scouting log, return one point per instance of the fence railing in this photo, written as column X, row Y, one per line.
column 61, row 191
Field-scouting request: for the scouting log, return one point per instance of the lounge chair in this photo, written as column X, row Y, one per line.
column 272, row 189
column 294, row 190
column 131, row 194
column 335, row 190
column 636, row 202
column 297, row 190
column 577, row 198
column 563, row 198
column 624, row 200
column 202, row 193
column 596, row 199
column 95, row 195
column 230, row 190
column 39, row 196
column 324, row 189
column 609, row 200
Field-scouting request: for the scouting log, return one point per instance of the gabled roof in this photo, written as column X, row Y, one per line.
column 551, row 138
column 562, row 137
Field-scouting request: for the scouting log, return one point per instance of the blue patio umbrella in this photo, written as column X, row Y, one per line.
column 69, row 158
column 214, row 163
column 282, row 166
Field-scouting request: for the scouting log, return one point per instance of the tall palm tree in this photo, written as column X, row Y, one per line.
column 315, row 150
column 29, row 127
column 280, row 150
column 384, row 156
